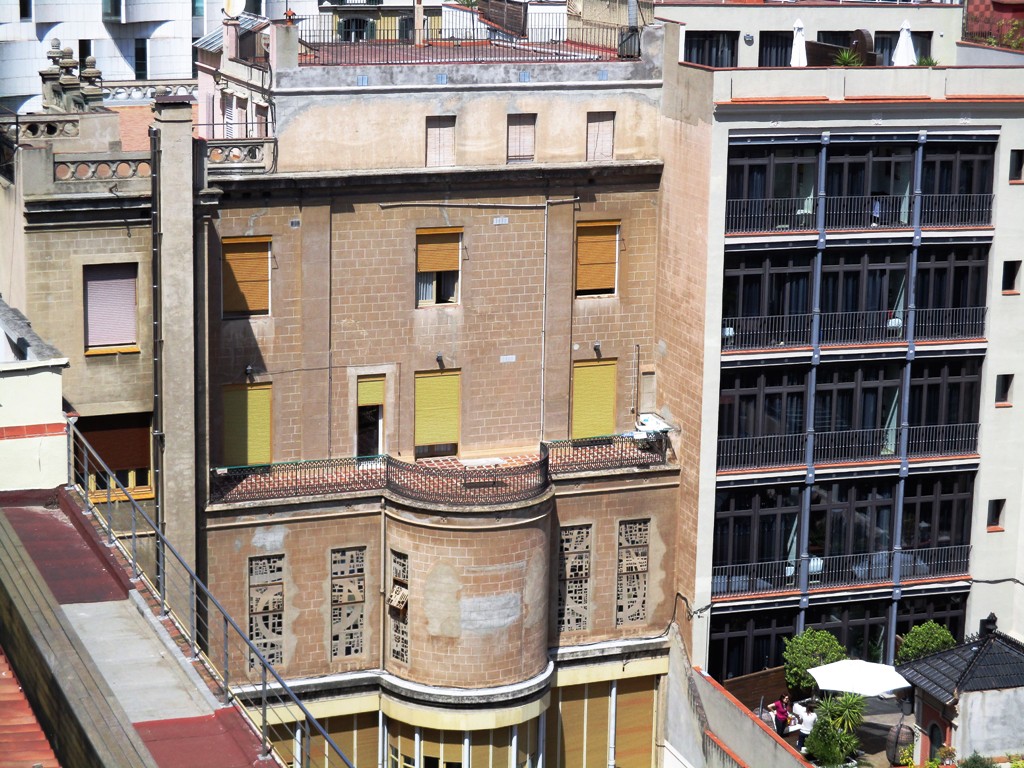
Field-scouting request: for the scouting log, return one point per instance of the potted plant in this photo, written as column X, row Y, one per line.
column 847, row 58
column 832, row 741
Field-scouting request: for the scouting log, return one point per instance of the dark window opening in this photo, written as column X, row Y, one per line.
column 711, row 49
column 1004, row 388
column 1011, row 275
column 141, row 59
column 995, row 513
column 1016, row 164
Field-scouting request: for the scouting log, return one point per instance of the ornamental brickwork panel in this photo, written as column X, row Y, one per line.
column 266, row 608
column 574, row 579
column 631, row 587
column 348, row 601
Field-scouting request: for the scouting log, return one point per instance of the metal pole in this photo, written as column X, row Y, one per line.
column 135, row 542
column 227, row 669
column 263, row 713
column 110, row 512
column 192, row 618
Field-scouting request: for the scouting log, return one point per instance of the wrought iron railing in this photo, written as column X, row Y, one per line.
column 840, row 570
column 842, row 328
column 641, row 449
column 942, row 440
column 324, row 43
column 856, row 445
column 770, row 215
column 949, row 323
column 771, row 332
column 471, row 484
column 868, row 212
column 956, row 210
column 241, row 673
column 761, row 451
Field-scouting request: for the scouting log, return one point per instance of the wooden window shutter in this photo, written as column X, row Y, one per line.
column 480, row 749
column 370, row 390
column 554, row 733
column 600, row 135
column 437, row 250
column 451, row 751
column 597, row 247
column 521, row 138
column 501, row 746
column 593, row 398
column 247, row 410
column 437, row 408
column 634, row 723
column 366, row 737
column 441, row 140
column 110, row 305
column 246, row 275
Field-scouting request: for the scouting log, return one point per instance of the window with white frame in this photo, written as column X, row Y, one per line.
column 438, row 259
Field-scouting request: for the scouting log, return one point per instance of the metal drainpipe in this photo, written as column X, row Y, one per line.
column 812, row 386
column 613, row 701
column 156, row 237
column 897, row 523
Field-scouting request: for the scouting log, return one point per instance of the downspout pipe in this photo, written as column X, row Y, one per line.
column 158, row 421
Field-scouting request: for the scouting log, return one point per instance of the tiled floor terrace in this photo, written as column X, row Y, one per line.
column 450, row 480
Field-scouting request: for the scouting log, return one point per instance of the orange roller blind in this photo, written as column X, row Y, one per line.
column 246, row 275
column 437, row 250
column 596, row 251
column 634, row 723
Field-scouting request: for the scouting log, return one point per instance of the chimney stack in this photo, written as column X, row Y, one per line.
column 988, row 626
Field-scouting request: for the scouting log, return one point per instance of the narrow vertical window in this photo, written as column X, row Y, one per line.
column 1004, row 390
column 266, row 608
column 348, row 601
column 398, row 606
column 574, row 579
column 25, row 9
column 522, row 131
column 1017, row 165
column 370, row 415
column 631, row 589
column 600, row 136
column 141, row 58
column 1011, row 277
column 440, row 141
column 995, row 514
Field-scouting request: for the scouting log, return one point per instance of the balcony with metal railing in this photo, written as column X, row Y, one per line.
column 447, row 481
column 842, row 329
column 856, row 213
column 833, row 571
column 851, row 446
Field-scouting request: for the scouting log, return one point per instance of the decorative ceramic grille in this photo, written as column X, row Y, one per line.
column 631, row 586
column 348, row 601
column 574, row 579
column 266, row 608
column 399, row 613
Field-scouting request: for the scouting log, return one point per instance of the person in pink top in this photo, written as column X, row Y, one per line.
column 780, row 709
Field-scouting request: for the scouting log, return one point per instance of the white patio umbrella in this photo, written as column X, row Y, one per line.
column 903, row 55
column 798, row 58
column 856, row 676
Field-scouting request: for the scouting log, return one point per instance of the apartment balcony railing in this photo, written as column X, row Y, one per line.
column 763, row 451
column 770, row 215
column 846, row 446
column 857, row 212
column 949, row 323
column 640, row 449
column 956, row 210
column 840, row 570
column 856, row 445
column 441, row 481
column 873, row 327
column 775, row 331
column 324, row 45
column 867, row 212
column 942, row 440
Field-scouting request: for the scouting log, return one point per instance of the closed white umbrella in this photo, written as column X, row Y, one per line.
column 903, row 55
column 856, row 676
column 798, row 58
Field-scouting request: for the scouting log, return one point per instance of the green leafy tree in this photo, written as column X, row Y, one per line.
column 811, row 648
column 923, row 640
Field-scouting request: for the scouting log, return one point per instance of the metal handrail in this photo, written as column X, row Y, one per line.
column 188, row 622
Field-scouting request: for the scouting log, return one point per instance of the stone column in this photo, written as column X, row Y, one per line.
column 174, row 324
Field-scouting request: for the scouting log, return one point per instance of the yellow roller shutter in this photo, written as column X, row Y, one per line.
column 634, row 723
column 573, row 712
column 502, row 746
column 597, row 245
column 554, row 734
column 370, row 390
column 366, row 738
column 480, row 749
column 247, row 424
column 593, row 398
column 437, row 408
column 597, row 723
column 452, row 749
column 246, row 275
column 437, row 250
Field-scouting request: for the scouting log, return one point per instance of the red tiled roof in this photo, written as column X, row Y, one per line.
column 22, row 741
